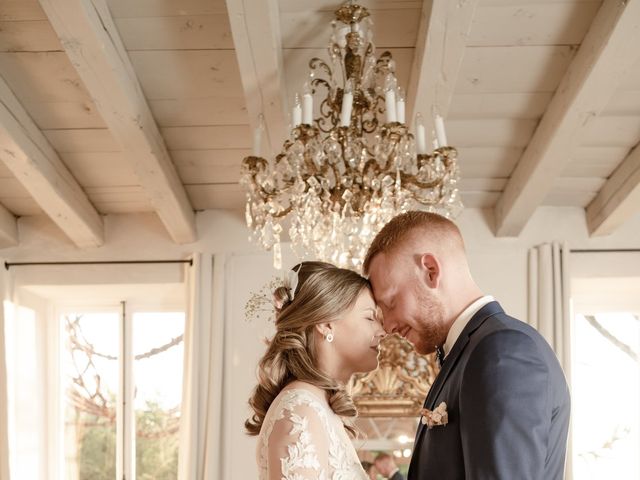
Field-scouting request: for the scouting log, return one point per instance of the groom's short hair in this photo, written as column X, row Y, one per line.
column 399, row 228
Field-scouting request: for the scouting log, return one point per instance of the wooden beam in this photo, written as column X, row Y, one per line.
column 35, row 164
column 618, row 199
column 440, row 47
column 606, row 54
column 90, row 38
column 255, row 27
column 8, row 228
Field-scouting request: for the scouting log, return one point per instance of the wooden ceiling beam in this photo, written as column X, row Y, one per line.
column 30, row 157
column 89, row 36
column 602, row 60
column 255, row 27
column 440, row 48
column 618, row 199
column 8, row 229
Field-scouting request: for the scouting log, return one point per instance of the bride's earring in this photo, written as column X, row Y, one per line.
column 329, row 337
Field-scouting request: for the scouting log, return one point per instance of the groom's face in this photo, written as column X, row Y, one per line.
column 409, row 306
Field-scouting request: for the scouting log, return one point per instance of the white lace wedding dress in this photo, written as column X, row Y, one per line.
column 303, row 439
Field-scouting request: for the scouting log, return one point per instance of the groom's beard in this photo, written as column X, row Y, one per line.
column 431, row 328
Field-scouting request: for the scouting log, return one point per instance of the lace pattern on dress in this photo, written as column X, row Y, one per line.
column 343, row 463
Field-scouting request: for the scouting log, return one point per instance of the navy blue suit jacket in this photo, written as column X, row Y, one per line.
column 508, row 404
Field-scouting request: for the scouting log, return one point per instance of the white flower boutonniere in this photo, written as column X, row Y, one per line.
column 434, row 418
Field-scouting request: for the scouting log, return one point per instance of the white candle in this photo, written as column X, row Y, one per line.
column 390, row 104
column 400, row 105
column 307, row 109
column 257, row 138
column 297, row 112
column 347, row 106
column 400, row 110
column 440, row 133
column 421, row 139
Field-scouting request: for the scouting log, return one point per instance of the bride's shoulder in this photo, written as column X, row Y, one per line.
column 300, row 389
column 306, row 387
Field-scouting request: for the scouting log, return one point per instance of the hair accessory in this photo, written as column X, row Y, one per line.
column 261, row 304
column 291, row 282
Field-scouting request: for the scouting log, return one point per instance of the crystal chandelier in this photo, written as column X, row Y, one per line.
column 341, row 176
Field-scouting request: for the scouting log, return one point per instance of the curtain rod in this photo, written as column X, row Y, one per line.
column 605, row 250
column 8, row 265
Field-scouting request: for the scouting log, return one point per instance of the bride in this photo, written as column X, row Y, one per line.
column 326, row 330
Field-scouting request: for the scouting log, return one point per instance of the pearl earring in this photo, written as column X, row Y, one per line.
column 329, row 337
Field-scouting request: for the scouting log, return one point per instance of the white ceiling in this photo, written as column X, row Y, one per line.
column 191, row 63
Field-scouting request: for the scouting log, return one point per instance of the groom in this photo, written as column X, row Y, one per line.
column 506, row 396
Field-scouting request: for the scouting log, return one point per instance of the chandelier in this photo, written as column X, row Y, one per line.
column 344, row 174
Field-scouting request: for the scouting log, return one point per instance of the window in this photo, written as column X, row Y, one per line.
column 122, row 376
column 24, row 390
column 606, row 379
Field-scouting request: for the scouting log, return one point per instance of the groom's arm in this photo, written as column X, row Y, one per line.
column 503, row 409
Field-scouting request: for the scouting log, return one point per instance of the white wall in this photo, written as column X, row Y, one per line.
column 499, row 265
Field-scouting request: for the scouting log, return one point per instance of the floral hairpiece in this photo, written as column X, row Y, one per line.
column 264, row 302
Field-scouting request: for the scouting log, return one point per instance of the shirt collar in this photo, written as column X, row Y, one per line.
column 463, row 319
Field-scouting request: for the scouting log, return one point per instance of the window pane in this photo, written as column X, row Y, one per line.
column 25, row 392
column 158, row 350
column 90, row 372
column 606, row 396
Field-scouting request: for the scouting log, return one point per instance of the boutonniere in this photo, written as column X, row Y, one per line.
column 433, row 418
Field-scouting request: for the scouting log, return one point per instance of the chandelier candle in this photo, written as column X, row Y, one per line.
column 440, row 134
column 296, row 117
column 400, row 107
column 307, row 104
column 421, row 138
column 257, row 137
column 345, row 173
column 347, row 106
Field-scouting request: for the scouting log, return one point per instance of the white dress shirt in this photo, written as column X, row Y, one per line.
column 462, row 320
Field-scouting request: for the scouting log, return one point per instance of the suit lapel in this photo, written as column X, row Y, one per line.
column 451, row 359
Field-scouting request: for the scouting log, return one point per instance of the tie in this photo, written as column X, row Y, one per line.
column 440, row 356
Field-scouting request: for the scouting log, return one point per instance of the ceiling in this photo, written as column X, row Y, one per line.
column 148, row 106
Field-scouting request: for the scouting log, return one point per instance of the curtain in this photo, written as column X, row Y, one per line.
column 201, row 419
column 549, row 312
column 549, row 284
column 4, row 430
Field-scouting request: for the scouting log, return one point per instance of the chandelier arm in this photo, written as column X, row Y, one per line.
column 407, row 179
column 283, row 213
column 317, row 63
column 324, row 105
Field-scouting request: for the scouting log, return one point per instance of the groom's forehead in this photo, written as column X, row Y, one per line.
column 381, row 273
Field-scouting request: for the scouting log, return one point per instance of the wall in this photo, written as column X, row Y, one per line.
column 499, row 266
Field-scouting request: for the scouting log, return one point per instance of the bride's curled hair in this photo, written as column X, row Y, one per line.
column 324, row 292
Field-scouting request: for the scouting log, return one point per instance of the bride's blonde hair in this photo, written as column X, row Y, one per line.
column 324, row 292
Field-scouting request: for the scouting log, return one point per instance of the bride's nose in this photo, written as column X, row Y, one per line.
column 380, row 335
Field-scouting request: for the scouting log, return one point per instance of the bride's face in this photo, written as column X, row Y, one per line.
column 358, row 335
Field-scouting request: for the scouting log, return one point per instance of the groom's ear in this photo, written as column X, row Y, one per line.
column 430, row 270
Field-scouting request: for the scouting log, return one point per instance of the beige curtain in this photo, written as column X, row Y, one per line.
column 549, row 306
column 201, row 420
column 549, row 284
column 4, row 430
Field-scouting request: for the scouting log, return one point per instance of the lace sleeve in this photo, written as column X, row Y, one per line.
column 298, row 447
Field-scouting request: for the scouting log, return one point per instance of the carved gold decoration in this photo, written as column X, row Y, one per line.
column 399, row 386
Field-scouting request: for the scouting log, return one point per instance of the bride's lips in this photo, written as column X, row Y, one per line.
column 405, row 332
